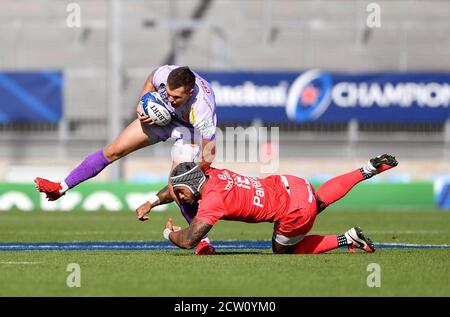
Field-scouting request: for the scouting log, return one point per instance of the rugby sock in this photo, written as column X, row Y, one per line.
column 316, row 244
column 206, row 239
column 368, row 170
column 339, row 186
column 342, row 240
column 90, row 167
column 187, row 213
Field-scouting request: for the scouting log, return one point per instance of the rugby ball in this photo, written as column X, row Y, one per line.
column 153, row 106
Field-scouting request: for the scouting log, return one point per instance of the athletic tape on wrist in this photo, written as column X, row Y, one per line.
column 166, row 233
column 154, row 200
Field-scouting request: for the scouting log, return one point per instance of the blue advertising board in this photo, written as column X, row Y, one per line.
column 319, row 96
column 31, row 96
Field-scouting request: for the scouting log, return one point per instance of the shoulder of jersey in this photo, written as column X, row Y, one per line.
column 204, row 85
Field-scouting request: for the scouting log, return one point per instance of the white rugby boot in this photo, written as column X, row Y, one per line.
column 358, row 240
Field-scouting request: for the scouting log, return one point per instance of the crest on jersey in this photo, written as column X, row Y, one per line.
column 163, row 93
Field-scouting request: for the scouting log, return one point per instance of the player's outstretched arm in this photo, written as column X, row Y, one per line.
column 189, row 237
column 164, row 196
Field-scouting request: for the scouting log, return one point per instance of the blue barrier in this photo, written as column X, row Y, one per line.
column 319, row 96
column 31, row 96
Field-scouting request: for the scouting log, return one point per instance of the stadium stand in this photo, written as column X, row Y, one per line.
column 223, row 35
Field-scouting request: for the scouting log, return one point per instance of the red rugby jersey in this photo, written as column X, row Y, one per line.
column 231, row 196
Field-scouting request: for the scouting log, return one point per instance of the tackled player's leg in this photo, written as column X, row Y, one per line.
column 290, row 232
column 298, row 220
column 337, row 187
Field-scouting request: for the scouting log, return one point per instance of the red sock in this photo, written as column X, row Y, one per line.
column 338, row 187
column 316, row 244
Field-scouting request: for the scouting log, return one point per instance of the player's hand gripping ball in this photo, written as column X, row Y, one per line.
column 153, row 106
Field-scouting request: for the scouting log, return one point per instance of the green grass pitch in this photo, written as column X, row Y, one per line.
column 404, row 272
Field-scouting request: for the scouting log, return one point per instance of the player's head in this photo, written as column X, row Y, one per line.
column 180, row 86
column 187, row 179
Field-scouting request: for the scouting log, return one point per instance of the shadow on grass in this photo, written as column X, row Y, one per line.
column 242, row 252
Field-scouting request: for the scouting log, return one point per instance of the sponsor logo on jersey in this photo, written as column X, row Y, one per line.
column 204, row 85
column 192, row 116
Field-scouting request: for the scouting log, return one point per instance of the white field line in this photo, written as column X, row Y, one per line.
column 369, row 232
column 19, row 263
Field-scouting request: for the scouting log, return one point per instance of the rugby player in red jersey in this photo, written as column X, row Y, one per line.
column 290, row 202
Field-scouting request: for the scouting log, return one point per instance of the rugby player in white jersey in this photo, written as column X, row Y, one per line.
column 191, row 102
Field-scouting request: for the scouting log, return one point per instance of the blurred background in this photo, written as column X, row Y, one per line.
column 341, row 83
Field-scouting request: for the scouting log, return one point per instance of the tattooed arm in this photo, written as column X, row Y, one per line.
column 189, row 237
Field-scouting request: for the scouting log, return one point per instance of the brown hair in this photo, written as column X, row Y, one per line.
column 181, row 76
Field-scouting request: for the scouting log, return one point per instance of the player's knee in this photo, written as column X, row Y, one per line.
column 321, row 205
column 112, row 152
column 282, row 249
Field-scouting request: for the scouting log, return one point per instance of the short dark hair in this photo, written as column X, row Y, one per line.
column 181, row 76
